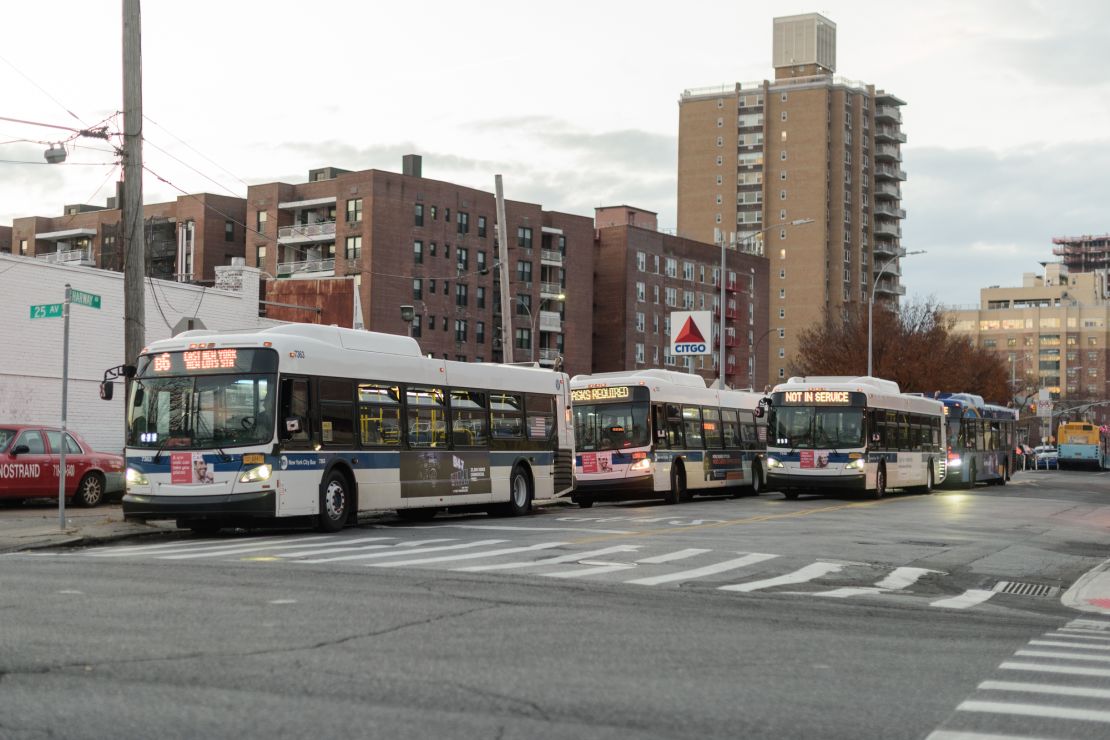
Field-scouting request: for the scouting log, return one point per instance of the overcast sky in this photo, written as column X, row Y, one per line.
column 1008, row 105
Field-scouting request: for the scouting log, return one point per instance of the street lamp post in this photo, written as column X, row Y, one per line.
column 721, row 324
column 871, row 301
column 532, row 318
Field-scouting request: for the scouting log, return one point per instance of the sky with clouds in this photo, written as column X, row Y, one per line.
column 576, row 105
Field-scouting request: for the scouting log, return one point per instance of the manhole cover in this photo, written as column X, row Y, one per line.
column 1025, row 589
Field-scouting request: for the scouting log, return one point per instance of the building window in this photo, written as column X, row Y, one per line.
column 417, row 289
column 418, row 215
column 524, row 237
column 354, row 210
column 688, row 271
column 641, row 261
column 782, row 195
column 639, row 353
column 354, row 247
column 445, row 323
column 432, row 249
column 523, row 305
column 671, row 296
column 260, row 258
column 655, row 293
column 446, row 287
column 432, row 323
column 447, row 215
column 720, row 179
column 524, row 270
column 782, row 333
column 415, row 326
column 433, row 212
column 782, row 155
column 460, row 330
column 418, row 252
column 720, row 160
column 481, row 297
column 480, row 332
column 782, row 313
column 782, row 353
column 782, row 175
column 640, row 292
column 481, row 226
column 260, row 221
column 671, row 267
column 639, row 321
column 462, row 258
column 783, row 115
column 782, row 292
column 431, row 286
column 229, row 231
column 463, row 220
column 481, row 262
column 23, row 247
column 462, row 294
column 523, row 339
column 446, row 251
column 720, row 141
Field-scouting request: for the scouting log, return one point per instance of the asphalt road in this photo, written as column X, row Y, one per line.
column 751, row 617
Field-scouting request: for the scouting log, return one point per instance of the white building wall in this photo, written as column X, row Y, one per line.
column 31, row 349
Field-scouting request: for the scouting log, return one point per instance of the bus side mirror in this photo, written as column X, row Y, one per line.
column 140, row 394
column 106, row 390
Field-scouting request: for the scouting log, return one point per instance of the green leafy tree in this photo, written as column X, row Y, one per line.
column 912, row 344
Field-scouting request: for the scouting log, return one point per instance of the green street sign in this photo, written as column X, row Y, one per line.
column 85, row 299
column 47, row 311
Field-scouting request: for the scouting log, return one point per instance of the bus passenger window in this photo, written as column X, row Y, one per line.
column 731, row 428
column 469, row 426
column 379, row 415
column 295, row 408
column 691, row 418
column 506, row 416
column 674, row 426
column 427, row 417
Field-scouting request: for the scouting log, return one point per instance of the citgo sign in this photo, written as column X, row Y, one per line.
column 689, row 332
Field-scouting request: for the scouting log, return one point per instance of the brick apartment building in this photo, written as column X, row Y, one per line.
column 403, row 239
column 186, row 239
column 753, row 157
column 643, row 275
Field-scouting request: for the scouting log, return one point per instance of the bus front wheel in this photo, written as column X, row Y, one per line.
column 757, row 480
column 677, row 493
column 880, row 483
column 335, row 503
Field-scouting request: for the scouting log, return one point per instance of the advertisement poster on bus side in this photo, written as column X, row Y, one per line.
column 444, row 473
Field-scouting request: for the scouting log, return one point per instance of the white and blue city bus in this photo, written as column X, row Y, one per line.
column 852, row 434
column 303, row 420
column 662, row 434
column 979, row 439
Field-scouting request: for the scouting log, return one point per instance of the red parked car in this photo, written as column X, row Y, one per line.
column 30, row 465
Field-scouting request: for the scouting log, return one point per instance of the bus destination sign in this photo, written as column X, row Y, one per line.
column 608, row 393
column 818, row 397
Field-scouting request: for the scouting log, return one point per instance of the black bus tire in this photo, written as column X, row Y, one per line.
column 880, row 483
column 335, row 502
column 677, row 494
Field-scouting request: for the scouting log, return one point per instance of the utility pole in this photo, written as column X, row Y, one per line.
column 131, row 211
column 503, row 258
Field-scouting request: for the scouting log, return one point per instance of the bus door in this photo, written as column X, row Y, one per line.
column 296, row 417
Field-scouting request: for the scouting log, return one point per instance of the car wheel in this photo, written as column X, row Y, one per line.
column 90, row 491
column 790, row 494
column 335, row 502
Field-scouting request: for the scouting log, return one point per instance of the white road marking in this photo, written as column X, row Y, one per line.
column 802, row 575
column 1065, row 656
column 1084, row 634
column 961, row 735
column 904, row 577
column 1067, row 670
column 254, row 548
column 1045, row 688
column 509, row 528
column 470, row 555
column 71, row 591
column 1034, row 710
column 591, row 571
column 677, row 555
column 329, row 550
column 167, row 548
column 570, row 558
column 1074, row 645
column 843, row 593
column 283, row 601
column 391, row 553
column 971, row 597
column 685, row 575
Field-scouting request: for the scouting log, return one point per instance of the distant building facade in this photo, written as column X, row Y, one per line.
column 403, row 239
column 1083, row 253
column 642, row 275
column 753, row 157
column 1052, row 332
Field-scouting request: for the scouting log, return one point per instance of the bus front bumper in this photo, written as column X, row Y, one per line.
column 617, row 489
column 798, row 481
column 261, row 504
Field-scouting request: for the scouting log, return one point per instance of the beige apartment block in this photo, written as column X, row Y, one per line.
column 1052, row 332
column 755, row 157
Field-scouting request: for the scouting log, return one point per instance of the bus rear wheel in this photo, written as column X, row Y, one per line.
column 677, row 494
column 520, row 495
column 583, row 503
column 335, row 503
column 757, row 480
column 791, row 494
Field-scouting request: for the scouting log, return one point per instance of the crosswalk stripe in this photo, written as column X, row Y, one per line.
column 570, row 558
column 329, row 550
column 1066, row 656
column 677, row 555
column 1045, row 688
column 1074, row 645
column 750, row 559
column 1067, row 670
column 802, row 575
column 1034, row 710
column 166, row 547
column 962, row 735
column 246, row 549
column 1083, row 634
column 470, row 555
column 843, row 593
column 391, row 553
column 901, row 578
column 596, row 571
column 968, row 598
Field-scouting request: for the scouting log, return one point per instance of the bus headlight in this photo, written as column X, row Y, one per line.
column 135, row 478
column 773, row 462
column 858, row 464
column 642, row 464
column 256, row 474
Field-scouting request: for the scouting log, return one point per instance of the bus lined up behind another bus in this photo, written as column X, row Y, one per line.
column 980, row 440
column 303, row 420
column 1080, row 445
column 663, row 434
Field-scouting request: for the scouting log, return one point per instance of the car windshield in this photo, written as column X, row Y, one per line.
column 820, row 427
column 6, row 437
column 201, row 412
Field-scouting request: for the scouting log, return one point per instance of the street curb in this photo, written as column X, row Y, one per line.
column 1094, row 585
column 76, row 540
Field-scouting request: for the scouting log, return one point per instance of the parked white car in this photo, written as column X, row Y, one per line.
column 1047, row 456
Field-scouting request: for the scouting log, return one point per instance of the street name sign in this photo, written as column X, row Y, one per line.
column 91, row 300
column 47, row 311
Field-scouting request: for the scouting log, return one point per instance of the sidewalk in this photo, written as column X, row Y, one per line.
column 35, row 525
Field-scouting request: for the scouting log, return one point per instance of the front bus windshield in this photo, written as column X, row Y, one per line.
column 190, row 400
column 611, row 426
column 817, row 426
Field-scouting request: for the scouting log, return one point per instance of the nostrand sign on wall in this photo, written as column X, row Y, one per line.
column 691, row 332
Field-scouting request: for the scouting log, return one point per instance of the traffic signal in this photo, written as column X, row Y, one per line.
column 1033, row 406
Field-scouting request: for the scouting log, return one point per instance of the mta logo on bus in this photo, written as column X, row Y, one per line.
column 689, row 339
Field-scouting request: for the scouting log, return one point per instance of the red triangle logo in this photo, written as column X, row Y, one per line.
column 689, row 333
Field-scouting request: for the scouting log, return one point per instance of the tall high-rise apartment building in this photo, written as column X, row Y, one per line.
column 755, row 157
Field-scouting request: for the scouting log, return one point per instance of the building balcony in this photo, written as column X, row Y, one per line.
column 731, row 340
column 890, row 288
column 885, row 250
column 888, row 209
column 550, row 291
column 551, row 321
column 887, row 227
column 549, row 356
column 730, row 313
column 551, row 257
column 323, row 231
column 889, row 133
column 889, row 270
column 888, row 113
column 72, row 257
column 888, row 152
column 307, row 269
column 889, row 172
column 888, row 190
